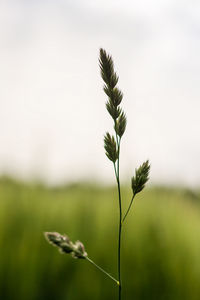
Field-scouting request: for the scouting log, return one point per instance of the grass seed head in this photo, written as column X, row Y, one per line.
column 141, row 177
column 65, row 245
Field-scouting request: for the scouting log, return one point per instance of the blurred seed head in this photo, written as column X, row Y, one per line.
column 65, row 245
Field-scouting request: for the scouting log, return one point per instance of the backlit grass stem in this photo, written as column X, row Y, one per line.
column 102, row 270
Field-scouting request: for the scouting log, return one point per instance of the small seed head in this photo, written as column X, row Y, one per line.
column 110, row 147
column 141, row 177
column 65, row 245
column 120, row 124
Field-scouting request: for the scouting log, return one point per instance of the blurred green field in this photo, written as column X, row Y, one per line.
column 160, row 252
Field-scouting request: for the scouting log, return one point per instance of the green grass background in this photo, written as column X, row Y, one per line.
column 160, row 243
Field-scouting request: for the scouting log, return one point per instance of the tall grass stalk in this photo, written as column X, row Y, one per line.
column 112, row 144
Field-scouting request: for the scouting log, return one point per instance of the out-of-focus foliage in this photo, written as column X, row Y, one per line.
column 160, row 254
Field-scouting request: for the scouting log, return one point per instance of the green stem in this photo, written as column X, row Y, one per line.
column 120, row 220
column 119, row 239
column 102, row 270
column 128, row 208
column 115, row 170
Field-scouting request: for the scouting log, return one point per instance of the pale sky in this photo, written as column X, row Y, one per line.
column 52, row 107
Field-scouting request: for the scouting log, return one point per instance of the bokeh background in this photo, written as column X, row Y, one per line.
column 54, row 173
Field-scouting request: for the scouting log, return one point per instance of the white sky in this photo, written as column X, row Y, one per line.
column 52, row 112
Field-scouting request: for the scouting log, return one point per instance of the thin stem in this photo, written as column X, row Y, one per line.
column 119, row 239
column 102, row 270
column 118, row 141
column 115, row 171
column 120, row 222
column 128, row 208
